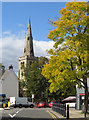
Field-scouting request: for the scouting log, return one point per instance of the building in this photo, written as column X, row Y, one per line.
column 80, row 96
column 9, row 83
column 28, row 56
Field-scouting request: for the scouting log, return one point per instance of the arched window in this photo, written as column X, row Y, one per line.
column 22, row 74
column 28, row 38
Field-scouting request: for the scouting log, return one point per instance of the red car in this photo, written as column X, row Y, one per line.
column 43, row 104
column 51, row 103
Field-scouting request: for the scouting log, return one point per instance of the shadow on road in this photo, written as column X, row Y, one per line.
column 21, row 118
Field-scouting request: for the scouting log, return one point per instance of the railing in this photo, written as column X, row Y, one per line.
column 60, row 108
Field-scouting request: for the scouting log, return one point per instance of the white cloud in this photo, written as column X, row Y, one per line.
column 40, row 47
column 6, row 33
column 13, row 47
column 20, row 25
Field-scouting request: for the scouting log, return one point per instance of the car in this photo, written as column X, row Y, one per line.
column 43, row 104
column 46, row 104
column 51, row 103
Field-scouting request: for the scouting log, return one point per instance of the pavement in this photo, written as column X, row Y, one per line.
column 73, row 115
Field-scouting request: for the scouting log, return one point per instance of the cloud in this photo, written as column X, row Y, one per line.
column 20, row 25
column 6, row 33
column 40, row 47
column 12, row 47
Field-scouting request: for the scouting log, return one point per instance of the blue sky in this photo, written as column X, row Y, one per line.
column 15, row 17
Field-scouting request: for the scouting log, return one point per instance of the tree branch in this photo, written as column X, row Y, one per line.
column 85, row 29
column 80, row 80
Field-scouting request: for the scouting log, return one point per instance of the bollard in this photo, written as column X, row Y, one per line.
column 85, row 113
column 4, row 104
column 67, row 111
column 8, row 103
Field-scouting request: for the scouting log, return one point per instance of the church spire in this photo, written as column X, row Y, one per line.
column 29, row 23
column 28, row 49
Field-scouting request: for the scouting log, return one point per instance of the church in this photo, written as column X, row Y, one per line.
column 28, row 56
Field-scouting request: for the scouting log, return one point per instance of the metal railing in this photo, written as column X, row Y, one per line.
column 60, row 108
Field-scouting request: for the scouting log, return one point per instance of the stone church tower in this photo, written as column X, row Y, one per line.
column 28, row 56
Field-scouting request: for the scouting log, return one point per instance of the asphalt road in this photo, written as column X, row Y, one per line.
column 27, row 114
column 32, row 114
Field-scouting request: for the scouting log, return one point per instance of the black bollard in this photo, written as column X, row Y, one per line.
column 67, row 111
column 85, row 113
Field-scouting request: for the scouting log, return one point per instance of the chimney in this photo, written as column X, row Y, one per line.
column 2, row 69
column 10, row 67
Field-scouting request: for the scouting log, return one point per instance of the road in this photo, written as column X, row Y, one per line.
column 28, row 114
column 33, row 114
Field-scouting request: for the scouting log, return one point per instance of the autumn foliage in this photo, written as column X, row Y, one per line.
column 69, row 63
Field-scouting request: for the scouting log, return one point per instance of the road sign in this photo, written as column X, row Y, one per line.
column 32, row 95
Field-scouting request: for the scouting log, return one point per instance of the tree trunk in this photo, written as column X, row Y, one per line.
column 86, row 96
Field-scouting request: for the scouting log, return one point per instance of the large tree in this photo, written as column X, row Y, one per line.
column 69, row 58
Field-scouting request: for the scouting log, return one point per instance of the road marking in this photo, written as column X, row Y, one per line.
column 12, row 115
column 53, row 116
column 18, row 111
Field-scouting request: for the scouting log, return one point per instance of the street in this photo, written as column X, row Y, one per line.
column 27, row 114
column 34, row 114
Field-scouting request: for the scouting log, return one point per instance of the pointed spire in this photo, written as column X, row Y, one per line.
column 29, row 23
column 28, row 49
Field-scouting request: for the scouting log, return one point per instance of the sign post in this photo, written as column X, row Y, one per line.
column 32, row 97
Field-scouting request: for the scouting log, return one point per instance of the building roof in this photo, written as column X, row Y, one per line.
column 6, row 73
column 70, row 98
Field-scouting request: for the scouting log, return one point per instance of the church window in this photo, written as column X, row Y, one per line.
column 28, row 38
column 30, row 62
column 22, row 65
column 22, row 73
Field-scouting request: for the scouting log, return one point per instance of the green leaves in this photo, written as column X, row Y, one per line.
column 36, row 83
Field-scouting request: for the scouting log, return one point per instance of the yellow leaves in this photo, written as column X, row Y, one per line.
column 61, row 67
column 62, row 11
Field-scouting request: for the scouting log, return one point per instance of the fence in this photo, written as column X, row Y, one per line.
column 60, row 108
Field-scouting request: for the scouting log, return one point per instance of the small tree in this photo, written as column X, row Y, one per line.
column 35, row 82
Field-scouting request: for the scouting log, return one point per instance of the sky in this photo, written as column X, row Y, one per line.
column 15, row 17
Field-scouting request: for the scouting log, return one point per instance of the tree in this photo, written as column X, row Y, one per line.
column 35, row 82
column 69, row 58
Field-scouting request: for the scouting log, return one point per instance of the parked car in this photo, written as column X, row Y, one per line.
column 51, row 103
column 43, row 104
column 46, row 104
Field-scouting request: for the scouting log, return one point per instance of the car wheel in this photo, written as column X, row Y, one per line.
column 26, row 106
column 31, row 106
column 20, row 106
